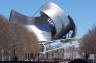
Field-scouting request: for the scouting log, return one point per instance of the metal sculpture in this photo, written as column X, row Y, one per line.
column 52, row 24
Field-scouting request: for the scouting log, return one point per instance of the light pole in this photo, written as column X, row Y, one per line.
column 2, row 53
column 9, row 58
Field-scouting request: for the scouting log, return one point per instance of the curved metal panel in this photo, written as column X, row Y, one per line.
column 37, row 25
column 71, row 27
column 40, row 34
column 17, row 17
column 49, row 9
column 56, row 14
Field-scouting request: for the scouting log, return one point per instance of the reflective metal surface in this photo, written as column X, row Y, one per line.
column 52, row 24
column 69, row 31
column 34, row 24
column 17, row 17
column 40, row 34
column 57, row 15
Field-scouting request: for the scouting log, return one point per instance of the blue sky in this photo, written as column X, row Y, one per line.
column 83, row 12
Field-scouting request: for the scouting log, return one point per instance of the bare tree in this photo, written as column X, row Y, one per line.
column 15, row 36
column 88, row 41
